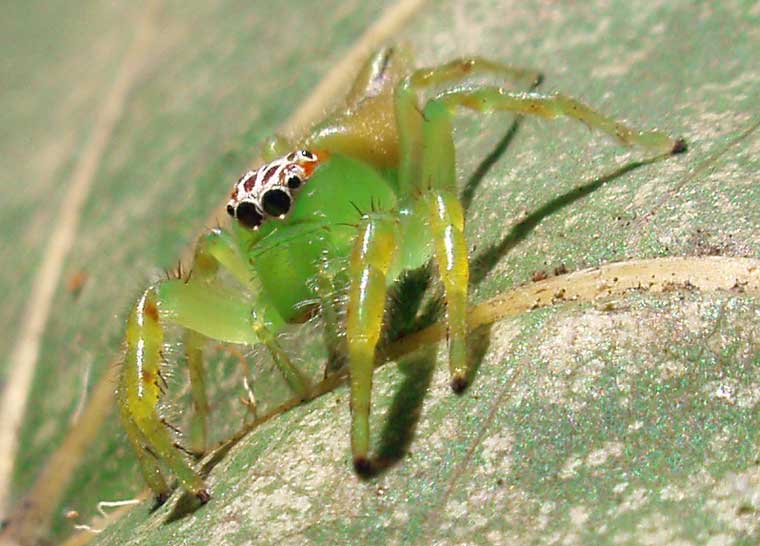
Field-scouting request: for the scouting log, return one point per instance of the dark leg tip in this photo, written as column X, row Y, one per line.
column 362, row 466
column 539, row 80
column 160, row 499
column 203, row 496
column 679, row 147
column 458, row 384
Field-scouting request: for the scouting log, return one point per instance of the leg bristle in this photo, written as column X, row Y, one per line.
column 679, row 147
column 458, row 383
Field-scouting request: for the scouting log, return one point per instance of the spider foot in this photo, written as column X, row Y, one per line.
column 679, row 147
column 203, row 496
column 363, row 466
column 159, row 500
column 458, row 384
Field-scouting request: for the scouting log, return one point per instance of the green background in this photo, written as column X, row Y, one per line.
column 634, row 421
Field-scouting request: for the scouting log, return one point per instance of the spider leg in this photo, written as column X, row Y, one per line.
column 139, row 391
column 275, row 146
column 449, row 77
column 379, row 74
column 436, row 188
column 193, row 343
column 483, row 99
column 219, row 248
column 371, row 260
column 330, row 311
column 467, row 69
column 146, row 457
column 205, row 309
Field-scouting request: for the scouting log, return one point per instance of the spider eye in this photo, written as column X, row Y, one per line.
column 294, row 182
column 231, row 210
column 276, row 202
column 248, row 215
column 307, row 154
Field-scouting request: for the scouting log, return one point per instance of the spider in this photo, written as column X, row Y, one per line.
column 370, row 193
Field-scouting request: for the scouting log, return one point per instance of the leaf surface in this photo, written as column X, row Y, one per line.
column 629, row 419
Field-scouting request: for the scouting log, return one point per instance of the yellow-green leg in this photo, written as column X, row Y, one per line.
column 371, row 259
column 553, row 106
column 460, row 71
column 140, row 389
column 437, row 186
column 148, row 461
column 412, row 90
column 206, row 309
column 335, row 343
column 193, row 343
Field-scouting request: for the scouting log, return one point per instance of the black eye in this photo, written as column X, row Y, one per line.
column 231, row 210
column 248, row 215
column 307, row 154
column 294, row 182
column 275, row 202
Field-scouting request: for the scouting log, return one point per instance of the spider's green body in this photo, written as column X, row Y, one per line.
column 369, row 194
column 320, row 231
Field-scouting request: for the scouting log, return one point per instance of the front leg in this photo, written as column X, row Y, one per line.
column 205, row 309
column 371, row 259
column 141, row 386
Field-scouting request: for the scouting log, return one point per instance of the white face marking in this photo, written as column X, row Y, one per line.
column 253, row 185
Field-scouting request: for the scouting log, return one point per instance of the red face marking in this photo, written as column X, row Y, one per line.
column 250, row 182
column 297, row 167
column 266, row 179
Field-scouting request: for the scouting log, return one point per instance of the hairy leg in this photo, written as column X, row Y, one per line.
column 371, row 260
column 206, row 309
column 437, row 187
column 483, row 99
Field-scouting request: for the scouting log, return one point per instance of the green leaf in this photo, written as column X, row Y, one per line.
column 630, row 419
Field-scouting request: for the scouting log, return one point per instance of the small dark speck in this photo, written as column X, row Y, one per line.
column 745, row 510
column 679, row 147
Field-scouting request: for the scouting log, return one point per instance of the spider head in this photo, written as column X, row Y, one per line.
column 269, row 191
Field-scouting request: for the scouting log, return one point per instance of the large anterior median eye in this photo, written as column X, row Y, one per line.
column 248, row 215
column 276, row 202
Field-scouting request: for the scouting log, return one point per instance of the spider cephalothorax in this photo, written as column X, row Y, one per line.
column 268, row 192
